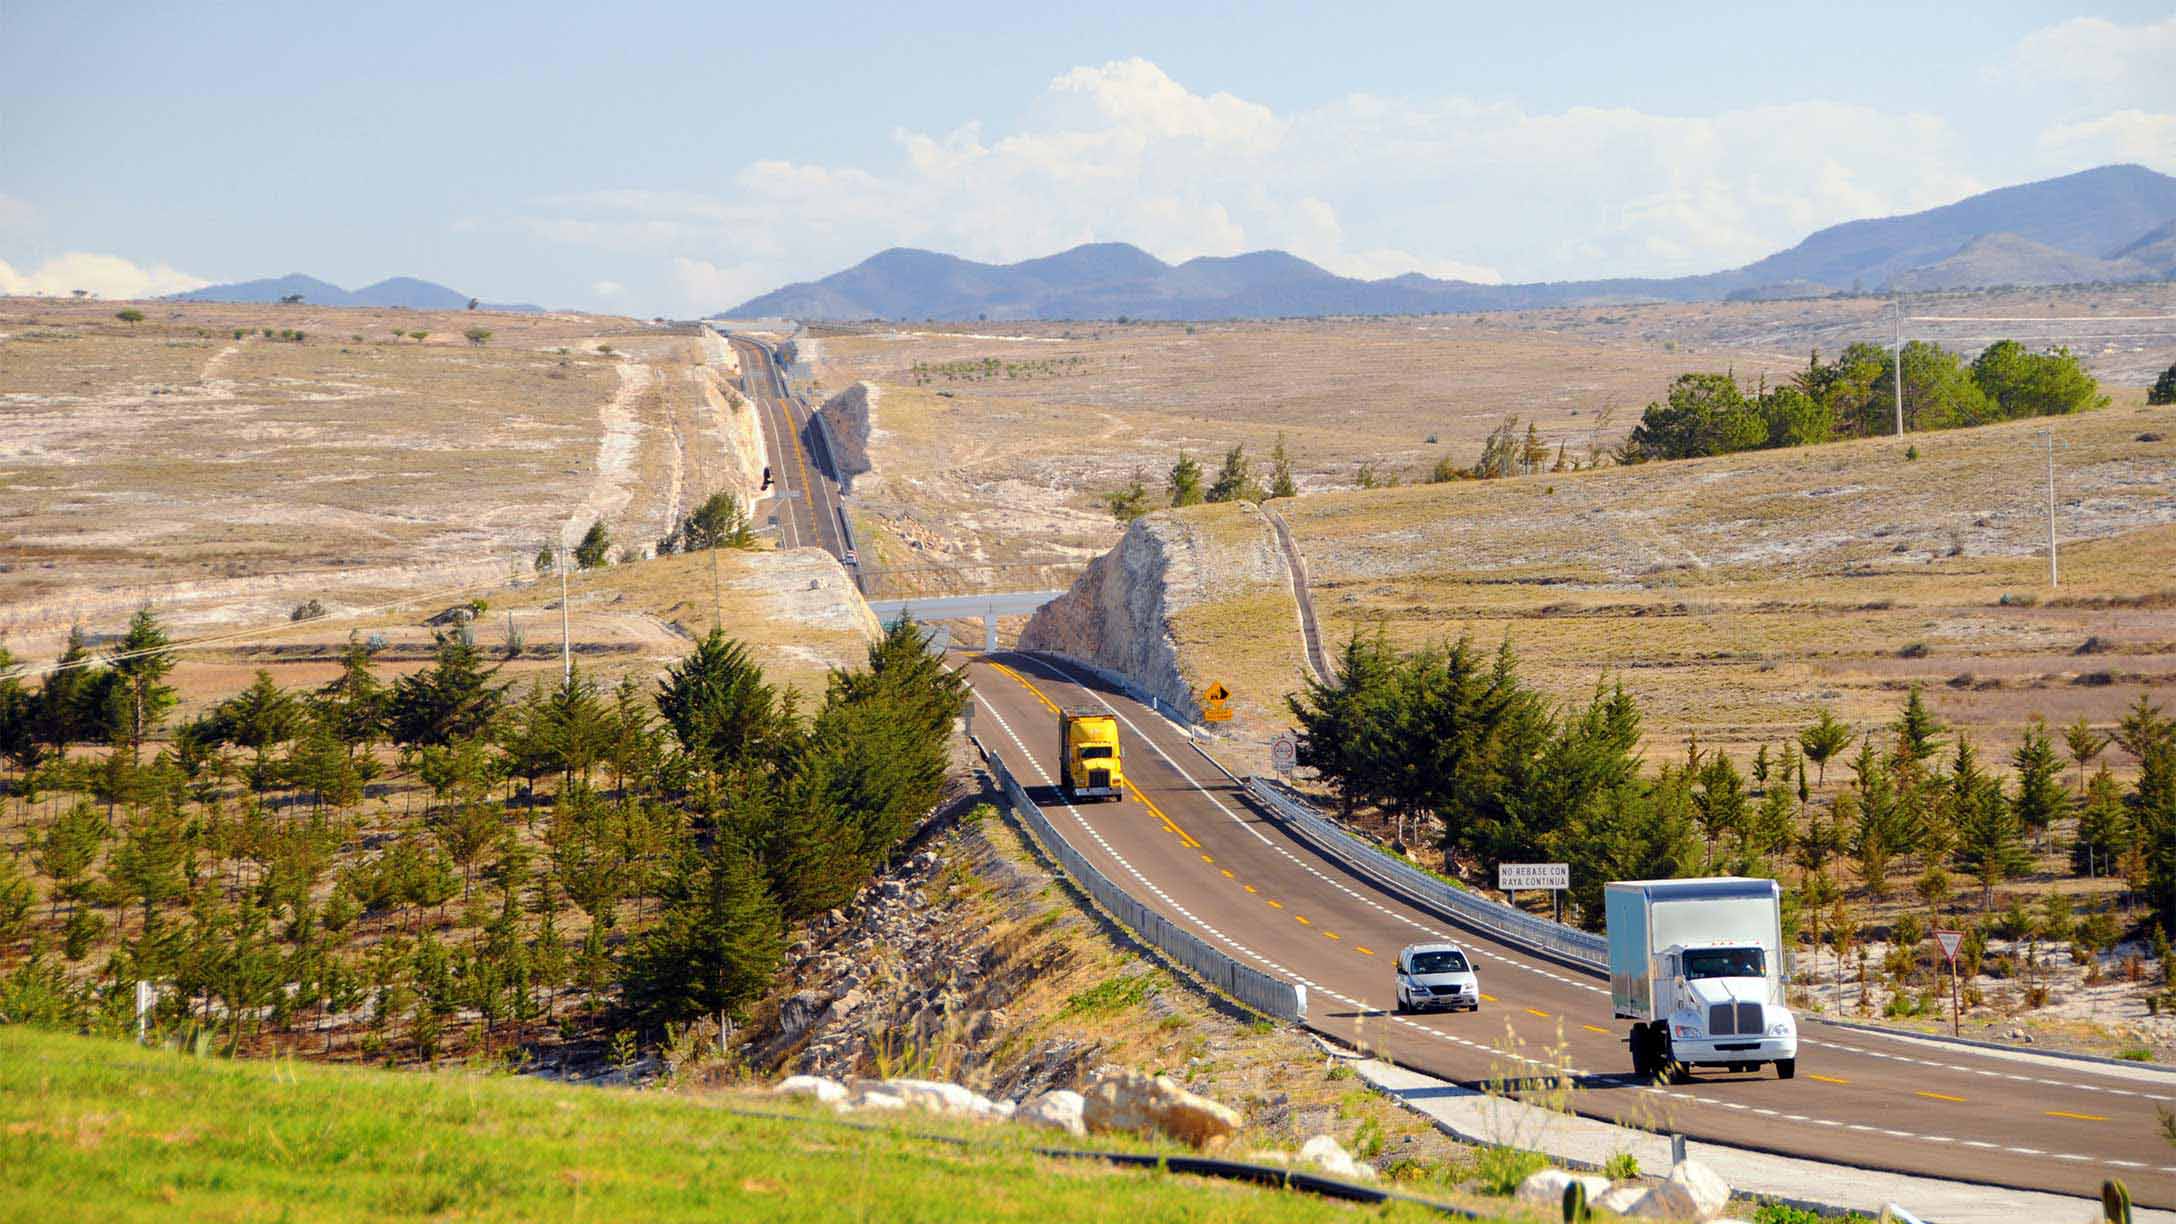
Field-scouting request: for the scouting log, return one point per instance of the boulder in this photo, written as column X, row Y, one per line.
column 1059, row 1109
column 801, row 1010
column 1331, row 1157
column 1131, row 1102
column 875, row 1100
column 1546, row 1188
column 827, row 1091
column 937, row 1096
column 1620, row 1199
column 1691, row 1192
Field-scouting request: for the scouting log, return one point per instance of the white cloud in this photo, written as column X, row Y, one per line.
column 1366, row 185
column 2112, row 64
column 106, row 276
column 2124, row 136
column 609, row 289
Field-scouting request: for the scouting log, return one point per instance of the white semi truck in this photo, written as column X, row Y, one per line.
column 1698, row 966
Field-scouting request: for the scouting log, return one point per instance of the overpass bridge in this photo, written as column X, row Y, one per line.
column 988, row 606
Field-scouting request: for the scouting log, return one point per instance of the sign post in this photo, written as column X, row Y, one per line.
column 1950, row 941
column 1556, row 877
column 1284, row 754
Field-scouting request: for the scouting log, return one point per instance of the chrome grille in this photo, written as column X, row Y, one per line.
column 1099, row 778
column 1749, row 1018
column 1721, row 1021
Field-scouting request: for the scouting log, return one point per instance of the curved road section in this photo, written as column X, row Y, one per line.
column 1191, row 845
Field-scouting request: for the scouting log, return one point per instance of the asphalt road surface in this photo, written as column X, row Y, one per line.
column 806, row 497
column 1188, row 842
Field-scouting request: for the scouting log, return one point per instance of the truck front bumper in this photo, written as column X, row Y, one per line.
column 1720, row 1051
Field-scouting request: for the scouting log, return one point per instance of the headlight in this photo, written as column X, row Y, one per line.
column 1781, row 1028
column 1687, row 1030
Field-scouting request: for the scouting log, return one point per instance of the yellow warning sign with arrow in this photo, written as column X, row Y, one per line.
column 1213, row 699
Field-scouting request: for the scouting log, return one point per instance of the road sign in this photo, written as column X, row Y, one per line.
column 1213, row 698
column 1513, row 876
column 1949, row 941
column 1284, row 753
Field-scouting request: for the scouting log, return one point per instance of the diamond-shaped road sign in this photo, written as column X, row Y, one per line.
column 1949, row 941
column 1216, row 693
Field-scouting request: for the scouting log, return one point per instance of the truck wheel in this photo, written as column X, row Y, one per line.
column 1786, row 1068
column 1643, row 1056
column 1673, row 1071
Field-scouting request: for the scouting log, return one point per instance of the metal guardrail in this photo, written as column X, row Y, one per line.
column 1269, row 995
column 1518, row 926
column 1125, row 684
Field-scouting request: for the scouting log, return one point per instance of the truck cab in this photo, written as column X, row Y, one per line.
column 1088, row 759
column 1697, row 964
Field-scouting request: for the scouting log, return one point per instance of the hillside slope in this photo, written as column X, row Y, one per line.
column 2007, row 259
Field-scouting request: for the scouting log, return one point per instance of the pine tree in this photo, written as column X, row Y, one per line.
column 140, row 663
column 595, row 550
column 1281, row 483
column 1184, row 482
column 1990, row 841
column 1719, row 802
column 353, row 704
column 717, row 942
column 723, row 713
column 2105, row 831
column 1533, row 450
column 1235, row 480
column 2084, row 744
column 1334, row 716
column 259, row 718
column 2152, row 805
column 2040, row 795
column 1130, row 502
column 70, row 704
column 452, row 699
column 1761, row 769
column 69, row 850
column 1824, row 739
column 1917, row 730
column 576, row 727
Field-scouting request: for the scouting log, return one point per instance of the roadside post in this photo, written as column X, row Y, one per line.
column 1284, row 755
column 1950, row 940
column 1556, row 877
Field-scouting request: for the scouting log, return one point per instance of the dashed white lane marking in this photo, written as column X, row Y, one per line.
column 1368, row 1012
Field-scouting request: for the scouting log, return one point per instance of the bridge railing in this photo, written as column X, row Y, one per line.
column 1363, row 858
column 1266, row 994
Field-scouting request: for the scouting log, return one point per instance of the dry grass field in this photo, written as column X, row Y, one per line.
column 226, row 475
column 1736, row 596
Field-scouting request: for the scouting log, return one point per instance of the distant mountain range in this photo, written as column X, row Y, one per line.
column 2114, row 223
column 402, row 292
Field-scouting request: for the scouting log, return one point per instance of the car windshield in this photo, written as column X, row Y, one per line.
column 1724, row 963
column 1094, row 752
column 1439, row 962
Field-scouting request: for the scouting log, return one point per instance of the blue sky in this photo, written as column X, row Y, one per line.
column 676, row 158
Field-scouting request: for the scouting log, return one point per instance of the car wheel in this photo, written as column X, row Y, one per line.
column 1786, row 1068
column 1402, row 1008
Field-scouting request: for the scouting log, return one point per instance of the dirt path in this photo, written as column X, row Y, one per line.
column 216, row 361
column 610, row 492
column 1296, row 566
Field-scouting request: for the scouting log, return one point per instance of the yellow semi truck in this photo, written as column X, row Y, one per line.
column 1088, row 755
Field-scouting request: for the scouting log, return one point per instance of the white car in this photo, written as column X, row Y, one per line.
column 1436, row 976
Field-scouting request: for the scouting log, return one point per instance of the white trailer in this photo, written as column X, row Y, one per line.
column 1698, row 966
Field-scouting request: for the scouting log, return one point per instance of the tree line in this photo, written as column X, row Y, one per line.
column 1854, row 396
column 1235, row 480
column 1452, row 738
column 432, row 859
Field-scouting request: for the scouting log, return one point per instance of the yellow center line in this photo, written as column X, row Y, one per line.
column 1302, row 920
column 1593, row 1029
column 1332, row 935
column 2076, row 1117
column 1206, row 859
column 1227, row 873
column 1185, row 839
column 1535, row 1011
column 1250, row 887
column 1940, row 1096
column 1827, row 1079
column 1276, row 905
column 1364, row 951
column 1491, row 998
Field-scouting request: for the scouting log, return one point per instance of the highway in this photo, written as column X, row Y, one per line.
column 807, row 492
column 1188, row 842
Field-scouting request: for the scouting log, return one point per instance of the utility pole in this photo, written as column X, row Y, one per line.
column 566, row 631
column 1899, row 304
column 2054, row 578
column 717, row 600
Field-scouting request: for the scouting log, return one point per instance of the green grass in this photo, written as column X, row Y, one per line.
column 104, row 1130
column 1109, row 996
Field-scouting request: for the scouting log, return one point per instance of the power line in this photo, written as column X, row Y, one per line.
column 2042, row 318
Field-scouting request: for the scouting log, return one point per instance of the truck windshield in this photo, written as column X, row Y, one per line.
column 1092, row 752
column 1439, row 962
column 1723, row 963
